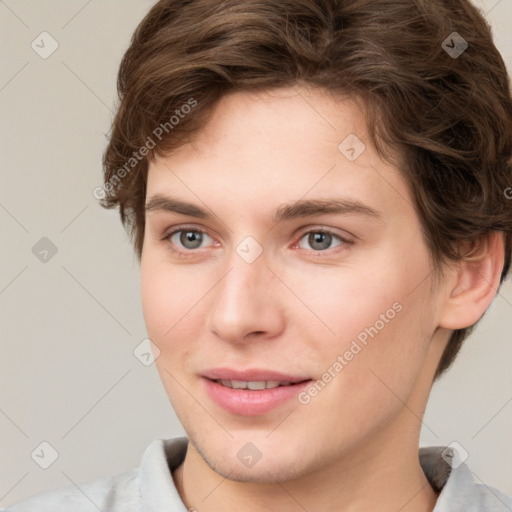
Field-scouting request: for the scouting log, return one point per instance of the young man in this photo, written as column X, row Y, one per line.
column 318, row 193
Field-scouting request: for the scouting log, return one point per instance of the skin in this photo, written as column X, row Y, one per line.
column 297, row 307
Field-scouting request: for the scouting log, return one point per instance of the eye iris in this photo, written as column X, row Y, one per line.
column 193, row 237
column 324, row 239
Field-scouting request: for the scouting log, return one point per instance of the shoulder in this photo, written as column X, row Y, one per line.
column 463, row 493
column 458, row 491
column 136, row 489
column 114, row 493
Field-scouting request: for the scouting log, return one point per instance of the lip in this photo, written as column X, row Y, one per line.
column 251, row 375
column 246, row 402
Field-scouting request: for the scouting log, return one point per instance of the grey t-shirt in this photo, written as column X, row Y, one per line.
column 150, row 488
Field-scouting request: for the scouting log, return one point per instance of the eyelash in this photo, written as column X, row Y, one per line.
column 187, row 253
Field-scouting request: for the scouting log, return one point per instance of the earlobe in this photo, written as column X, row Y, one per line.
column 475, row 284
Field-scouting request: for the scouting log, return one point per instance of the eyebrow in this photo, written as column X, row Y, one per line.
column 297, row 209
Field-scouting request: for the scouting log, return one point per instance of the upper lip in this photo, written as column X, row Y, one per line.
column 252, row 375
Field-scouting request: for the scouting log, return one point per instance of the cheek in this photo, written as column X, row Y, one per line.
column 168, row 313
column 372, row 329
column 155, row 297
column 170, row 296
column 346, row 304
column 363, row 381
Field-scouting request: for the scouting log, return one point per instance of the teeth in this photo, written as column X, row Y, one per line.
column 253, row 385
column 257, row 385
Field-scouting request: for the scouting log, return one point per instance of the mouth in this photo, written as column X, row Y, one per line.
column 252, row 392
column 256, row 385
column 274, row 378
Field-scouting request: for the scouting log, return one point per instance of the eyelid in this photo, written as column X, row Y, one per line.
column 181, row 227
column 344, row 240
column 343, row 235
column 176, row 229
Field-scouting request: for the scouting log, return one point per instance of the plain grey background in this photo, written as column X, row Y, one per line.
column 70, row 324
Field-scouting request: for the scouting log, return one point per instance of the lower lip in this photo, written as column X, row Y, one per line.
column 247, row 402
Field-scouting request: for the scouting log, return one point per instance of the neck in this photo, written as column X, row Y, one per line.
column 383, row 475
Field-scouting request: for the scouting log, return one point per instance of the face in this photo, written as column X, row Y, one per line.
column 279, row 251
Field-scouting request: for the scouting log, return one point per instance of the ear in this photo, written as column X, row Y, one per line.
column 473, row 283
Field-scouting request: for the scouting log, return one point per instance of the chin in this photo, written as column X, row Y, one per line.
column 263, row 474
column 277, row 466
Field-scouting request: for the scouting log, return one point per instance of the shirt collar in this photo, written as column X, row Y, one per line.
column 457, row 489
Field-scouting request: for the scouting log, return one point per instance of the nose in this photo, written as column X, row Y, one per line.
column 247, row 302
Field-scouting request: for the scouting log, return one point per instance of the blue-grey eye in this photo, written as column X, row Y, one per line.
column 320, row 240
column 189, row 238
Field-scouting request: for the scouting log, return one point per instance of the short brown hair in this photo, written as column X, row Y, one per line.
column 448, row 114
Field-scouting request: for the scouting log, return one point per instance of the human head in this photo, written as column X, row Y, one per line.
column 445, row 122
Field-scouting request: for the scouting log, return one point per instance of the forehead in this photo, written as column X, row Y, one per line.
column 280, row 144
column 289, row 115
